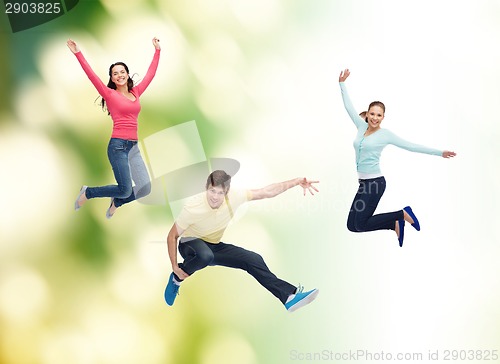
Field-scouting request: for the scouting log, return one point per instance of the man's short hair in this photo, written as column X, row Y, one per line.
column 219, row 178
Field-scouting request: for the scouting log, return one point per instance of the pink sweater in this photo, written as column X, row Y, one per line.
column 123, row 111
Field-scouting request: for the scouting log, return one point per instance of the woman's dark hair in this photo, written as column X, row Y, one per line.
column 111, row 84
column 219, row 178
column 374, row 103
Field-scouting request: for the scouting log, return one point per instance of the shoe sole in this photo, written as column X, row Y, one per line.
column 306, row 300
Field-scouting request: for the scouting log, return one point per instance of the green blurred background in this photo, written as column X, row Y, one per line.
column 259, row 77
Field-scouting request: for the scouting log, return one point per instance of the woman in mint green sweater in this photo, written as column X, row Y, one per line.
column 370, row 140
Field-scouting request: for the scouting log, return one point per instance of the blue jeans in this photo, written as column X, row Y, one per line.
column 198, row 254
column 126, row 161
column 365, row 203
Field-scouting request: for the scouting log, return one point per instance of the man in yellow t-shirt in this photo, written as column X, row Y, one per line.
column 200, row 227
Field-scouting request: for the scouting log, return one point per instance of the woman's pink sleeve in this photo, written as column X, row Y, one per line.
column 96, row 81
column 143, row 85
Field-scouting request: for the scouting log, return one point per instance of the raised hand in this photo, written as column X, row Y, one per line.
column 73, row 47
column 344, row 74
column 156, row 43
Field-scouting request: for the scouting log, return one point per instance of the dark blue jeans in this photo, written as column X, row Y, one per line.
column 126, row 161
column 365, row 203
column 198, row 254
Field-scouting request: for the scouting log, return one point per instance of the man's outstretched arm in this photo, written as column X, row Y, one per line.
column 276, row 188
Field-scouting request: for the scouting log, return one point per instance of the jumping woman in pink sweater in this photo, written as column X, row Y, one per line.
column 121, row 99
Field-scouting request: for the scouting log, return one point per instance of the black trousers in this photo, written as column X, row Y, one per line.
column 198, row 254
column 365, row 203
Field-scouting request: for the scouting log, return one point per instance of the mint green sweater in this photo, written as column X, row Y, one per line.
column 368, row 149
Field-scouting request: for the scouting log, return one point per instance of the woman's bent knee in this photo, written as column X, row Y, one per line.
column 144, row 190
column 352, row 228
column 125, row 191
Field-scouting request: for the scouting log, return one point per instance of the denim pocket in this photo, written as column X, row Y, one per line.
column 117, row 148
column 117, row 145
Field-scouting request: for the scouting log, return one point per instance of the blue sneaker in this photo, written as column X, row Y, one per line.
column 300, row 299
column 171, row 291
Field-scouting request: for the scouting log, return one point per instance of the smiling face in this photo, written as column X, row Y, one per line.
column 375, row 115
column 216, row 196
column 119, row 75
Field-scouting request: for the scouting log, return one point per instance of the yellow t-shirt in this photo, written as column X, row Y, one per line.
column 199, row 220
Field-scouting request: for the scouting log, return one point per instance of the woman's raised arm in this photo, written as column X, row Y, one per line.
column 96, row 81
column 357, row 120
